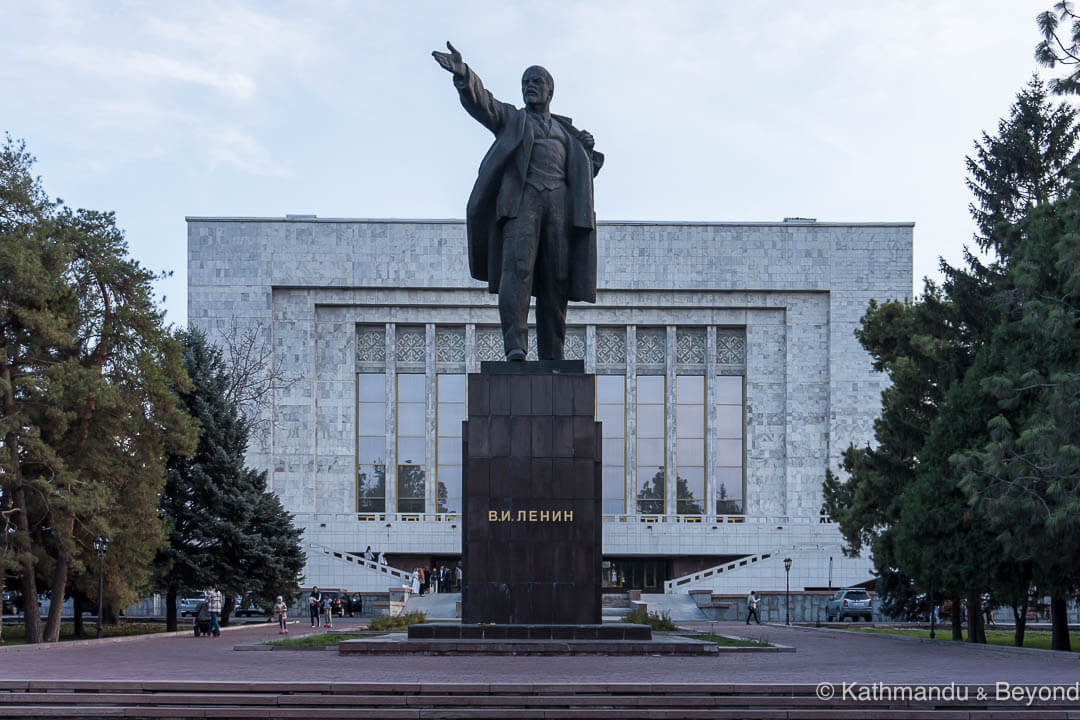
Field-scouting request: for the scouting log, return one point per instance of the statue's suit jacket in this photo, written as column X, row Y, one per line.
column 496, row 196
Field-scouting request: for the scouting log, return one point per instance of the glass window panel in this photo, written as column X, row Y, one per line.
column 451, row 388
column 410, row 483
column 729, row 481
column 650, row 389
column 411, row 451
column 691, row 420
column 729, row 389
column 650, row 452
column 690, row 388
column 370, row 387
column 450, row 476
column 410, row 387
column 650, row 507
column 450, row 505
column 449, row 450
column 729, row 421
column 371, row 505
column 371, row 418
column 613, row 482
column 614, row 450
column 691, row 451
column 410, row 419
column 610, row 389
column 450, row 417
column 651, row 485
column 612, row 506
column 691, row 483
column 371, row 481
column 613, row 418
column 650, row 421
column 729, row 453
column 370, row 449
column 410, row 506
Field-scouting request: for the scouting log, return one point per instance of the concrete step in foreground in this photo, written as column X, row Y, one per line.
column 182, row 700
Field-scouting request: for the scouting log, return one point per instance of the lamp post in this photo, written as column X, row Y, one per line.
column 787, row 591
column 101, row 545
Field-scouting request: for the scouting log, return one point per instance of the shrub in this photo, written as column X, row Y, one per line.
column 657, row 621
column 397, row 622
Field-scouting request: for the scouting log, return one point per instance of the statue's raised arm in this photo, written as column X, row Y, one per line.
column 451, row 61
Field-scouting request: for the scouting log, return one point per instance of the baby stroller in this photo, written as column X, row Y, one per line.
column 202, row 619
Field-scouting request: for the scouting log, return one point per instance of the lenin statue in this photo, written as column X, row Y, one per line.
column 530, row 219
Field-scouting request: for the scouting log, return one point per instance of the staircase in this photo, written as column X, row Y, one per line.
column 171, row 700
column 704, row 576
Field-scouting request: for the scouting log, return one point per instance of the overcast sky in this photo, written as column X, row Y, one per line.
column 722, row 110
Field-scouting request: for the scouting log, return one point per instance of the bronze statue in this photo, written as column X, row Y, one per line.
column 530, row 219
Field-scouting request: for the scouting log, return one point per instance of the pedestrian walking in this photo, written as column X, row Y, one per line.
column 751, row 605
column 214, row 601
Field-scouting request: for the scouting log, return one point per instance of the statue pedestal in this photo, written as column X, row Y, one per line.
column 531, row 540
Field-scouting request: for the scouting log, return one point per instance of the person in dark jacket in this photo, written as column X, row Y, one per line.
column 530, row 220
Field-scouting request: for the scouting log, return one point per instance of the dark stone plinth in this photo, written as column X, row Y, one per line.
column 531, row 498
column 533, row 367
column 457, row 631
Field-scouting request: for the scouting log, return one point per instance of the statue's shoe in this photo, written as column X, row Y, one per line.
column 515, row 355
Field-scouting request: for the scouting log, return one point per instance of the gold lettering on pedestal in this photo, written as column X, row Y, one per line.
column 531, row 516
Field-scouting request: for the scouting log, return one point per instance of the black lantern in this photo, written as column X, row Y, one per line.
column 101, row 546
column 787, row 591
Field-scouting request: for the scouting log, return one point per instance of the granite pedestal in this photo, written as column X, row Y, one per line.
column 531, row 541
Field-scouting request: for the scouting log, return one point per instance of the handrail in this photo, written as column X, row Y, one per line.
column 367, row 564
column 674, row 583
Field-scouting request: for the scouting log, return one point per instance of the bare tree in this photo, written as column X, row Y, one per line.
column 253, row 376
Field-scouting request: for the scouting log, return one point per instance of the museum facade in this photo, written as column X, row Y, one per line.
column 728, row 379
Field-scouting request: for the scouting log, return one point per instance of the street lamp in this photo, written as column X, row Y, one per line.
column 101, row 546
column 787, row 591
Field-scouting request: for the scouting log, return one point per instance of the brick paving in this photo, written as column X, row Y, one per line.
column 822, row 655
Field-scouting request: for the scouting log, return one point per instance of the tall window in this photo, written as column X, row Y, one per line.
column 411, row 438
column 451, row 412
column 729, row 445
column 611, row 412
column 690, row 444
column 370, row 443
column 650, row 444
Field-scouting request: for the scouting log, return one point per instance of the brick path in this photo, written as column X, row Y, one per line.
column 822, row 655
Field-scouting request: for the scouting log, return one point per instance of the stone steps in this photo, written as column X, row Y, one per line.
column 317, row 700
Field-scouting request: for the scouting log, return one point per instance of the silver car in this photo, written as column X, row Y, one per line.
column 188, row 606
column 854, row 603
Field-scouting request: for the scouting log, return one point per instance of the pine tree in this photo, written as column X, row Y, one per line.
column 224, row 527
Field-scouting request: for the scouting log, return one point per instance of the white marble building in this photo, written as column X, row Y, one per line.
column 729, row 379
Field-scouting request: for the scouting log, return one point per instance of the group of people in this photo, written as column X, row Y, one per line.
column 369, row 555
column 438, row 578
column 321, row 608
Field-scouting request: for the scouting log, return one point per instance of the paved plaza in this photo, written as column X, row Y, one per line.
column 821, row 655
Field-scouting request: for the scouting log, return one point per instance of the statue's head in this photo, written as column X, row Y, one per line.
column 537, row 86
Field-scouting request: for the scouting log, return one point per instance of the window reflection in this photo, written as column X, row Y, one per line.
column 370, row 442
column 611, row 412
column 728, row 473
column 449, row 415
column 651, row 462
column 690, row 444
column 411, row 443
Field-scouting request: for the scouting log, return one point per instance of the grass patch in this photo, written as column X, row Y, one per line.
column 16, row 634
column 657, row 621
column 1038, row 639
column 321, row 640
column 725, row 641
column 397, row 622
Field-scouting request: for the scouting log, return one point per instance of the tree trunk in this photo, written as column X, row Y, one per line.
column 1059, row 632
column 976, row 630
column 78, row 606
column 31, row 618
column 957, row 621
column 1020, row 620
column 170, row 609
column 226, row 609
column 59, row 585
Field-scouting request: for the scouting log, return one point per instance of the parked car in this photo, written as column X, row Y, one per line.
column 249, row 609
column 189, row 606
column 11, row 602
column 854, row 603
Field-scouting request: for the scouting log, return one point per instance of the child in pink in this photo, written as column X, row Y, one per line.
column 282, row 611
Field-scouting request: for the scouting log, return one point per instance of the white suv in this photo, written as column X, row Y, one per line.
column 854, row 603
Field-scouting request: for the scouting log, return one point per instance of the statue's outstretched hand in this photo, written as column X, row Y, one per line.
column 587, row 139
column 450, row 61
